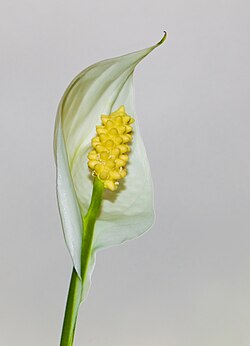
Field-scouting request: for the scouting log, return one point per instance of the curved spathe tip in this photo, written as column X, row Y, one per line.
column 163, row 38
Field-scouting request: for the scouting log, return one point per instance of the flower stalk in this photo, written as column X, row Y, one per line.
column 77, row 283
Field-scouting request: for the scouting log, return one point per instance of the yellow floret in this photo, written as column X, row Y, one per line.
column 108, row 158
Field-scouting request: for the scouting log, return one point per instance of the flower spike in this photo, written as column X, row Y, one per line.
column 109, row 157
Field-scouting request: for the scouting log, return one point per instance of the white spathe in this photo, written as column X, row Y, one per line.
column 127, row 212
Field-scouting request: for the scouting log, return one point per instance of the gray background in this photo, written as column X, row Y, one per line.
column 187, row 281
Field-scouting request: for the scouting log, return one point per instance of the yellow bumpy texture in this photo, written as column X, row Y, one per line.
column 109, row 156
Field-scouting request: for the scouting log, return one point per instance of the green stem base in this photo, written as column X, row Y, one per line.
column 77, row 284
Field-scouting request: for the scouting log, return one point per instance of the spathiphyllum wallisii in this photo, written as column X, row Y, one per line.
column 99, row 153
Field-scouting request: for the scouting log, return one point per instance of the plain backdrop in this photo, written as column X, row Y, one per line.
column 187, row 281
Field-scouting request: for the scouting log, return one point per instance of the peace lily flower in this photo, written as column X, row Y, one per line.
column 104, row 186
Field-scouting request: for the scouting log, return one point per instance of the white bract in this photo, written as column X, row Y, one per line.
column 127, row 212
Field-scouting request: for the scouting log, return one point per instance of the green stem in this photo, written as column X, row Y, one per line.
column 77, row 284
column 71, row 311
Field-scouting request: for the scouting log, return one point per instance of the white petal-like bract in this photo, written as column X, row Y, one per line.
column 127, row 212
